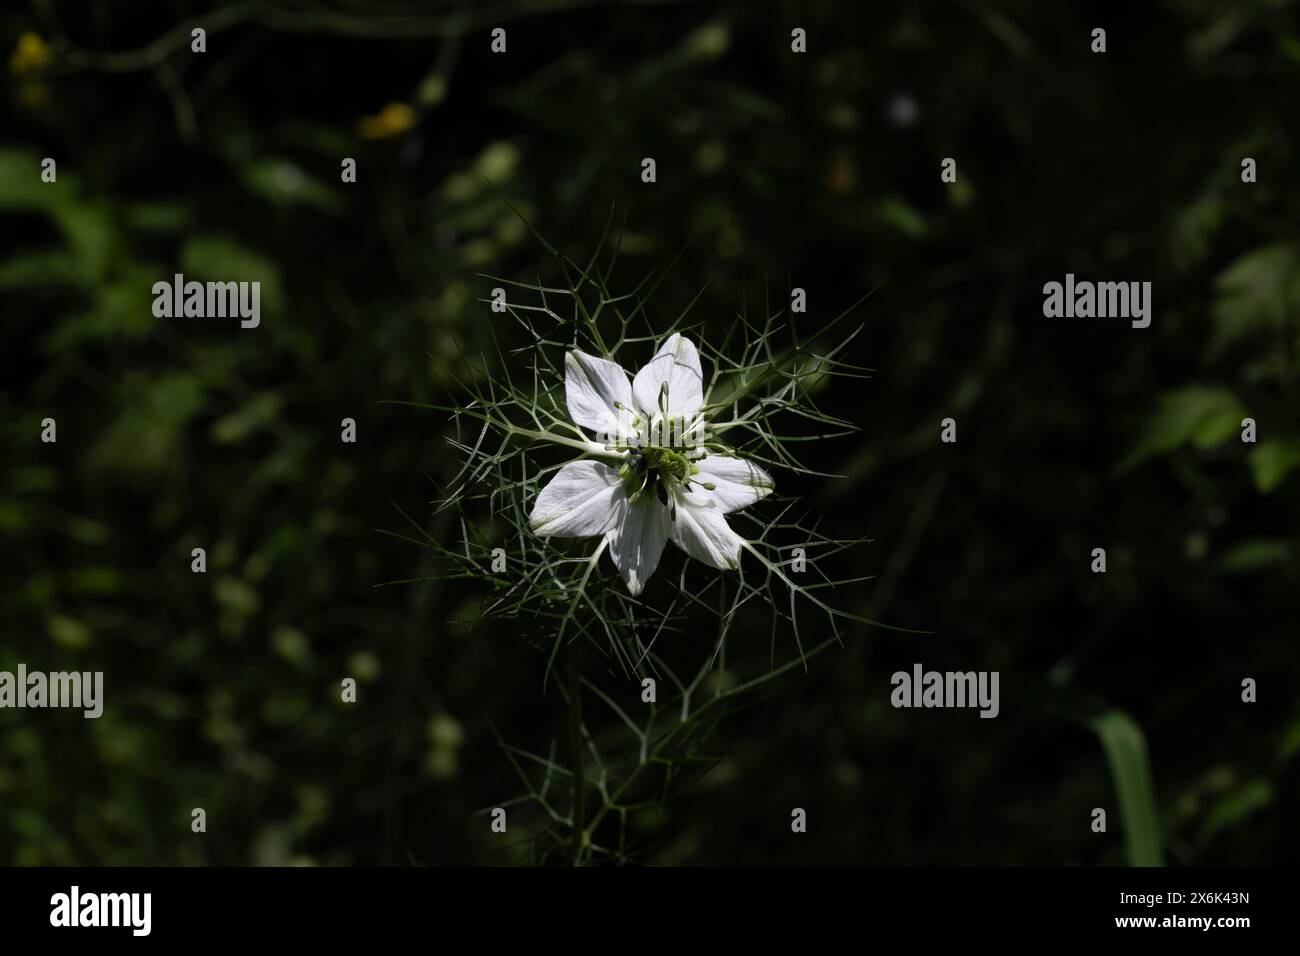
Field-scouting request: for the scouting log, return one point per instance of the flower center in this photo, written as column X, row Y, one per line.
column 651, row 472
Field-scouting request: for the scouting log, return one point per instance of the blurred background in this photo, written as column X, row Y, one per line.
column 820, row 171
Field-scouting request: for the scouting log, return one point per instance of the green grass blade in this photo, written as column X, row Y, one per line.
column 1130, row 768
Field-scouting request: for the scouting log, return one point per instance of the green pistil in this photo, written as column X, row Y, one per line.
column 650, row 472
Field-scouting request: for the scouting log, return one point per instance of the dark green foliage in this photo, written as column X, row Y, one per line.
column 775, row 171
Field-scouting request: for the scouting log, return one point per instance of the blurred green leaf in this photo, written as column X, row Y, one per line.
column 158, row 217
column 1194, row 230
column 291, row 644
column 238, row 425
column 707, row 42
column 1255, row 554
column 90, row 232
column 1203, row 415
column 20, row 183
column 220, row 258
column 1272, row 460
column 146, row 434
column 284, row 182
column 497, row 162
column 68, row 633
column 1130, row 770
column 1251, row 797
column 1256, row 293
column 235, row 596
column 96, row 579
column 40, row 268
column 1290, row 744
column 899, row 215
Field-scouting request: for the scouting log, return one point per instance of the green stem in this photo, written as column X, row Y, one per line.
column 593, row 448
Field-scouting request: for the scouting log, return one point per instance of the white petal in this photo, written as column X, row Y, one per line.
column 580, row 501
column 638, row 539
column 591, row 387
column 702, row 532
column 737, row 483
column 683, row 349
column 677, row 363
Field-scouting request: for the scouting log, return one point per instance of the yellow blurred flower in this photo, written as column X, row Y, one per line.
column 31, row 53
column 393, row 120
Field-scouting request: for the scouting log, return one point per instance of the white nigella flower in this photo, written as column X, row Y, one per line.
column 667, row 483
